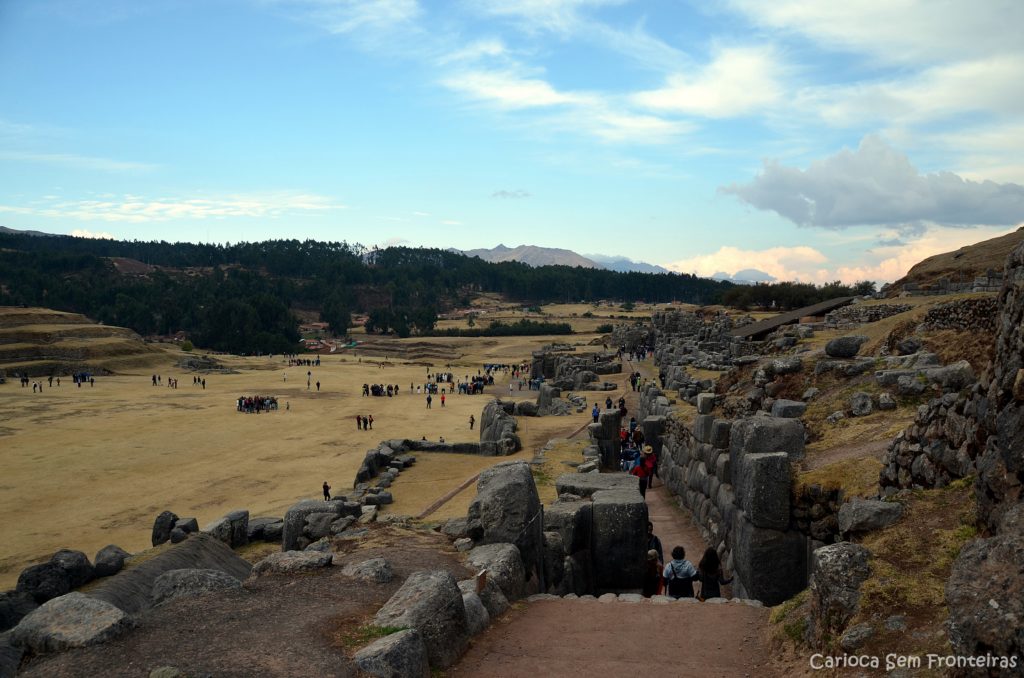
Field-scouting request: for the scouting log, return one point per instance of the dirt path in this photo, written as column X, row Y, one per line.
column 590, row 638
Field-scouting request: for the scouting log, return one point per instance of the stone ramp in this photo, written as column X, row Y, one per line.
column 611, row 637
column 130, row 589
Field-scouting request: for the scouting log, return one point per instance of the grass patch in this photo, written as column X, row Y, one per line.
column 855, row 477
column 910, row 565
column 782, row 611
column 366, row 634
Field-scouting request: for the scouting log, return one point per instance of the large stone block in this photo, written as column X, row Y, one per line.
column 232, row 529
column 705, row 403
column 758, row 435
column 763, row 489
column 399, row 655
column 586, row 484
column 788, row 409
column 864, row 515
column 771, row 565
column 572, row 520
column 504, row 566
column 507, row 510
column 838, row 572
column 70, row 621
column 619, row 538
column 431, row 603
column 295, row 519
column 720, row 434
column 702, row 426
column 654, row 428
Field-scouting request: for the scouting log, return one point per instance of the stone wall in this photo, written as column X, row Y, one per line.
column 860, row 314
column 735, row 478
column 698, row 340
column 964, row 314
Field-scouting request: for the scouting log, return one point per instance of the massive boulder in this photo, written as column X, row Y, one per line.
column 431, row 603
column 788, row 409
column 72, row 620
column 838, row 571
column 860, row 404
column 77, row 566
column 506, row 510
column 498, row 435
column 14, row 605
column 231, row 529
column 504, row 566
column 985, row 592
column 109, row 560
column 865, row 515
column 162, row 527
column 44, row 582
column 290, row 562
column 399, row 655
column 758, row 435
column 770, row 564
column 491, row 595
column 845, row 347
column 377, row 570
column 190, row 582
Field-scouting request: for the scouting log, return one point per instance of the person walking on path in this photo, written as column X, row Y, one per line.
column 429, row 400
column 472, row 420
column 652, row 582
column 645, row 469
column 595, row 413
column 680, row 574
column 327, row 491
column 442, row 400
column 318, row 386
column 359, row 422
column 369, row 421
column 653, row 543
column 710, row 575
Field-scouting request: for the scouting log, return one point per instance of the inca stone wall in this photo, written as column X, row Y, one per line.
column 735, row 477
column 698, row 340
column 860, row 314
column 964, row 314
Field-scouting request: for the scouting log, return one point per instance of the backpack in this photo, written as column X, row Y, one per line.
column 678, row 587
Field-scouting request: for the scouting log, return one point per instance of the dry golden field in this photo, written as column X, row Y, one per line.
column 90, row 466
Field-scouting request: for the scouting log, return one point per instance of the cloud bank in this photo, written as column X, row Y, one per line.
column 876, row 185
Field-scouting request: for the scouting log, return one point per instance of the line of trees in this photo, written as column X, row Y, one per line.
column 240, row 297
column 785, row 296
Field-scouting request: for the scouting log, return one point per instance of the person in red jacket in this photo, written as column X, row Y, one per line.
column 645, row 469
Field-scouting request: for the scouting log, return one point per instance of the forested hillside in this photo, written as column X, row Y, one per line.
column 241, row 297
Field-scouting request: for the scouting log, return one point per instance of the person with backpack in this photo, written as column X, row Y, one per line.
column 710, row 575
column 679, row 575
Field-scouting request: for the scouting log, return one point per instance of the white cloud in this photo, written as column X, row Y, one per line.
column 556, row 16
column 877, row 185
column 476, row 50
column 352, row 16
column 604, row 117
column 507, row 89
column 72, row 161
column 783, row 263
column 83, row 233
column 738, row 81
column 899, row 31
column 139, row 209
column 990, row 85
column 884, row 263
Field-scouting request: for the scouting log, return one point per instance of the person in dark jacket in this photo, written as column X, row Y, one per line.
column 652, row 575
column 327, row 491
column 709, row 572
column 653, row 543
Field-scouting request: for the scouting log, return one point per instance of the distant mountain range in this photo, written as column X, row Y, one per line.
column 532, row 255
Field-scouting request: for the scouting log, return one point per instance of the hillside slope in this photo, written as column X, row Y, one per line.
column 965, row 263
column 43, row 342
column 531, row 255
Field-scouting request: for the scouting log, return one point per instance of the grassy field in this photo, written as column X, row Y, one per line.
column 86, row 467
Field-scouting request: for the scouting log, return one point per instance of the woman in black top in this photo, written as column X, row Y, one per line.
column 709, row 573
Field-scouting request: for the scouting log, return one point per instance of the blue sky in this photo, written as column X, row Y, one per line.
column 810, row 140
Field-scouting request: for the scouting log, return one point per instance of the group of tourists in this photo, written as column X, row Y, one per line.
column 37, row 386
column 380, row 390
column 364, row 422
column 257, row 404
column 295, row 361
column 677, row 577
column 199, row 381
column 637, row 382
